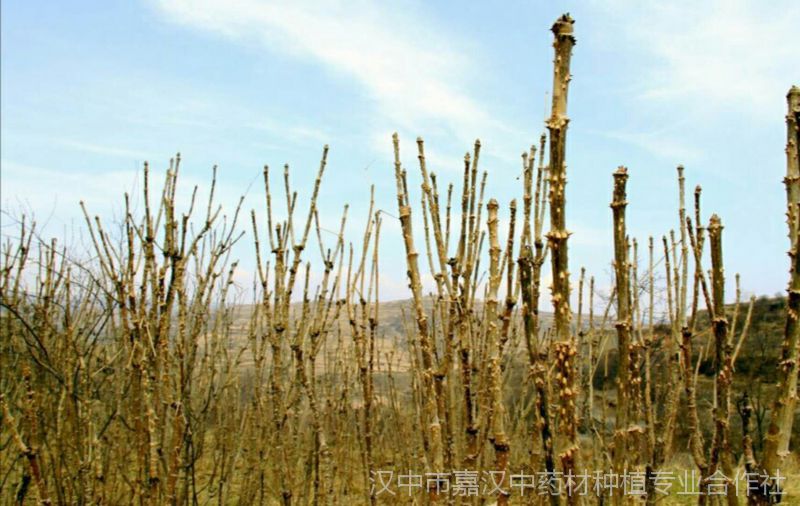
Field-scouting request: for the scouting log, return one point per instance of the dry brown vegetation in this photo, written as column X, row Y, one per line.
column 135, row 377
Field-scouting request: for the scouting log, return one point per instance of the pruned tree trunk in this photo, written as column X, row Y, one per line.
column 624, row 324
column 776, row 446
column 557, row 126
column 434, row 427
column 557, row 238
column 721, row 458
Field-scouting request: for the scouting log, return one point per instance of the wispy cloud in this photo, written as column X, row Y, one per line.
column 289, row 132
column 24, row 192
column 101, row 191
column 412, row 71
column 101, row 149
column 725, row 54
column 699, row 67
column 657, row 143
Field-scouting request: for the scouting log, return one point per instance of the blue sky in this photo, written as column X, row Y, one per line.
column 90, row 90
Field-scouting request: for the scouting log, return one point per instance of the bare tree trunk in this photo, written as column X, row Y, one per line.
column 431, row 412
column 720, row 449
column 530, row 319
column 498, row 435
column 557, row 125
column 776, row 445
column 623, row 325
column 557, row 237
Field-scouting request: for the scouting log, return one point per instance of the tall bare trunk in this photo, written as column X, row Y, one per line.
column 622, row 271
column 557, row 237
column 435, row 457
column 720, row 450
column 776, row 446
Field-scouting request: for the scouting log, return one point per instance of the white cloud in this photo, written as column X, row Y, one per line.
column 295, row 133
column 656, row 142
column 45, row 188
column 724, row 54
column 102, row 149
column 698, row 69
column 53, row 195
column 410, row 69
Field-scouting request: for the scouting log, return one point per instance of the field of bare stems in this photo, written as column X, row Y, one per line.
column 131, row 377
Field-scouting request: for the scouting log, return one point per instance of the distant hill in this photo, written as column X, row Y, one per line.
column 758, row 357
